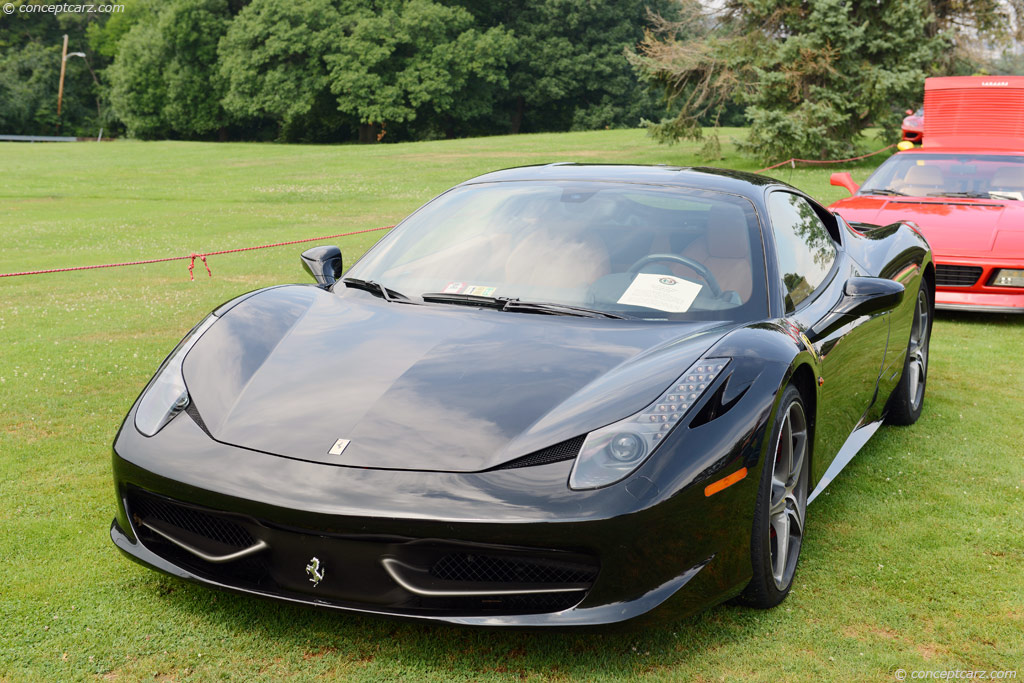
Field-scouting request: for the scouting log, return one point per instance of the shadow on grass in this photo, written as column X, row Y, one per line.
column 313, row 634
column 978, row 317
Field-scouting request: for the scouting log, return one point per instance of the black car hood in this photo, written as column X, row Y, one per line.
column 291, row 370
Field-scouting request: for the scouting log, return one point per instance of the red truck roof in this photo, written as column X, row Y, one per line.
column 974, row 112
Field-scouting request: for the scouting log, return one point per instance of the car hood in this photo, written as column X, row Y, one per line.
column 291, row 370
column 960, row 227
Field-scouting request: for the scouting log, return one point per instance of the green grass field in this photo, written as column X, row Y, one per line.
column 914, row 557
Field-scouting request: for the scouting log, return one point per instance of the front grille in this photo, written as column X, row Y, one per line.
column 956, row 276
column 189, row 519
column 566, row 450
column 355, row 576
column 473, row 568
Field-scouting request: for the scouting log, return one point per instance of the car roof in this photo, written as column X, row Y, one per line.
column 704, row 178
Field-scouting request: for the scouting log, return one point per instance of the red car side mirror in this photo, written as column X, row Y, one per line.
column 844, row 179
column 910, row 112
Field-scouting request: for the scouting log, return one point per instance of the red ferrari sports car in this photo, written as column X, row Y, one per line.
column 964, row 189
column 913, row 125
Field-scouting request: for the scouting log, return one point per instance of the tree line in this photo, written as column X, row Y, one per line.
column 329, row 70
column 806, row 76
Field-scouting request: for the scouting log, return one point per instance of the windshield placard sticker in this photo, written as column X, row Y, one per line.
column 453, row 287
column 660, row 292
column 480, row 290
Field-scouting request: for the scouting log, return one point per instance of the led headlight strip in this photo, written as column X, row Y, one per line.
column 611, row 453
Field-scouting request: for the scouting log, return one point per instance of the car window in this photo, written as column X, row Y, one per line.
column 638, row 251
column 982, row 176
column 805, row 250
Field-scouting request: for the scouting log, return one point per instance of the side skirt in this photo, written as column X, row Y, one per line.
column 853, row 444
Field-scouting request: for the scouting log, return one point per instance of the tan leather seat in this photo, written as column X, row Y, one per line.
column 725, row 250
column 545, row 259
column 920, row 181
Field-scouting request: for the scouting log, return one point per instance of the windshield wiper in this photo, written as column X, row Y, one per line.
column 557, row 309
column 377, row 288
column 975, row 195
column 505, row 304
column 884, row 191
column 466, row 299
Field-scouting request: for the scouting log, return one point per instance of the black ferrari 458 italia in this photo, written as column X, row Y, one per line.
column 553, row 395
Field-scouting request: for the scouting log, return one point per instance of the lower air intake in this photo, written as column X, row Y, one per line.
column 472, row 568
column 956, row 276
column 204, row 524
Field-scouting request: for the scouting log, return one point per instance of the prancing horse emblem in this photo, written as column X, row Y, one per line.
column 315, row 571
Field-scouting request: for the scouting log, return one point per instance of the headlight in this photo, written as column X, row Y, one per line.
column 166, row 395
column 1005, row 277
column 610, row 453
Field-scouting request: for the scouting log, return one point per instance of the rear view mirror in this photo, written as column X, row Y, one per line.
column 869, row 295
column 844, row 179
column 910, row 112
column 324, row 264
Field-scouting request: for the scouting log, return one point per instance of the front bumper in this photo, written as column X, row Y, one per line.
column 988, row 302
column 975, row 293
column 644, row 546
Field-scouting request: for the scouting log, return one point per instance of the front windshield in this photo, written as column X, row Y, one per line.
column 992, row 176
column 637, row 251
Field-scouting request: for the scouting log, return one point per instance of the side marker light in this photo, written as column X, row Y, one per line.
column 725, row 482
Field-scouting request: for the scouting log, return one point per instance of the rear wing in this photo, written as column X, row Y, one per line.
column 977, row 112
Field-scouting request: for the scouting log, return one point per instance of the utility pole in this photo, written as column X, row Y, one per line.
column 60, row 88
column 63, row 64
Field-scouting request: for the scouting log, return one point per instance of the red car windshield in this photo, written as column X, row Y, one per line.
column 994, row 176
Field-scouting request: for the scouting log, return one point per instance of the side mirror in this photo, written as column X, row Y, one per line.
column 324, row 264
column 844, row 179
column 869, row 295
column 910, row 112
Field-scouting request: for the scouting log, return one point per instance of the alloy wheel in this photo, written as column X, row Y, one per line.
column 918, row 366
column 788, row 505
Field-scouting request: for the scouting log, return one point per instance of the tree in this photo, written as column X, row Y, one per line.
column 568, row 70
column 104, row 36
column 272, row 60
column 30, row 49
column 28, row 90
column 164, row 79
column 417, row 63
column 813, row 74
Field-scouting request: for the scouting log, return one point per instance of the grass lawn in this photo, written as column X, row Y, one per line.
column 914, row 557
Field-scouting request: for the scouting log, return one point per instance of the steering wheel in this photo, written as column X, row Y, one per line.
column 697, row 267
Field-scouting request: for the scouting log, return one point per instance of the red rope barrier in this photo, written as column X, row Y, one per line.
column 826, row 161
column 193, row 256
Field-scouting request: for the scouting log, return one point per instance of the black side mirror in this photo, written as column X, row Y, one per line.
column 869, row 295
column 324, row 264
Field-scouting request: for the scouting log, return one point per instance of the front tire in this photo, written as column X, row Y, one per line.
column 907, row 399
column 781, row 509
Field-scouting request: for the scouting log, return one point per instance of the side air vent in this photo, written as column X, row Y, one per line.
column 566, row 450
column 193, row 412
